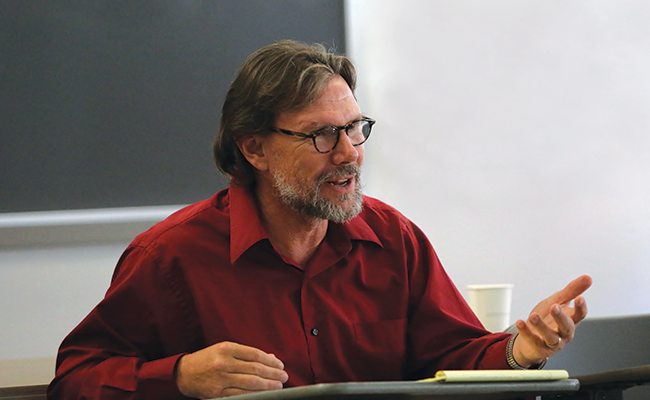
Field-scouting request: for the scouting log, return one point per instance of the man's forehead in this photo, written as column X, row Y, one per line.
column 336, row 89
column 336, row 106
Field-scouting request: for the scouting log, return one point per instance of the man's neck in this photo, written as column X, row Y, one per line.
column 292, row 234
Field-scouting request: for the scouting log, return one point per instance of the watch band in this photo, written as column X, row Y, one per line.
column 510, row 358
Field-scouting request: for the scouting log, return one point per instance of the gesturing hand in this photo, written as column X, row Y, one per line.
column 227, row 369
column 551, row 324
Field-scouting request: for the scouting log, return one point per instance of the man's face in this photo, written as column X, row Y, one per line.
column 325, row 186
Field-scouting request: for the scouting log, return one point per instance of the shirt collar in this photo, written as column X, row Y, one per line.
column 246, row 228
column 358, row 229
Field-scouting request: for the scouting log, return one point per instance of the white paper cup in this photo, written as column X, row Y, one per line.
column 491, row 304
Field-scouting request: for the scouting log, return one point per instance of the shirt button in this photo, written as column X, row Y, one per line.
column 314, row 332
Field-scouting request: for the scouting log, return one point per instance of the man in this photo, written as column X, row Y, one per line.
column 290, row 276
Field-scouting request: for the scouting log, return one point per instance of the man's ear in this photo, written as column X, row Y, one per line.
column 251, row 147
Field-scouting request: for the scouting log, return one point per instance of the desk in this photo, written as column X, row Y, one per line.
column 374, row 390
column 27, row 392
column 610, row 385
column 417, row 391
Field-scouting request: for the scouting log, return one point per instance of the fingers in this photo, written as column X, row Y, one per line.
column 565, row 317
column 251, row 354
column 246, row 382
column 574, row 289
column 249, row 372
column 543, row 336
column 252, row 370
column 527, row 333
column 253, row 363
column 565, row 323
column 580, row 309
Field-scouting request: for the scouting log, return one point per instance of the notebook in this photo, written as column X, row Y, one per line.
column 498, row 376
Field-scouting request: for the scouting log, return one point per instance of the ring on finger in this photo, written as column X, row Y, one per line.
column 552, row 346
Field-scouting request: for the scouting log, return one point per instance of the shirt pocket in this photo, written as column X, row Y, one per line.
column 382, row 341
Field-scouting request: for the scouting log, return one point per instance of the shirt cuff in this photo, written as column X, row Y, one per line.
column 156, row 379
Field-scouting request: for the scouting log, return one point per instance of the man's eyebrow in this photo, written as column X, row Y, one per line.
column 314, row 126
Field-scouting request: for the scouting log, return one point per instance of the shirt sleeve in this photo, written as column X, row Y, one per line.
column 443, row 332
column 128, row 346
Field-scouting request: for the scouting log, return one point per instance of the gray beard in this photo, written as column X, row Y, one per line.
column 309, row 202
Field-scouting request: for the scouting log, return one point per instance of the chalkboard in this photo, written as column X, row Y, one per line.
column 109, row 103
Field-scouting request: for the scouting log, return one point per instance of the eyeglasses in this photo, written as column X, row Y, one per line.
column 326, row 139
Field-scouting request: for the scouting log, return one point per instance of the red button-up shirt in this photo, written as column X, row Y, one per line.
column 373, row 304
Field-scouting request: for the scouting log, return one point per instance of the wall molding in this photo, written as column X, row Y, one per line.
column 79, row 227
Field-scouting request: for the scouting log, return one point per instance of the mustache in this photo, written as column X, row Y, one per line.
column 350, row 169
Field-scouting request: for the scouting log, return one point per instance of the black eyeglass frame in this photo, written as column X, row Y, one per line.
column 315, row 134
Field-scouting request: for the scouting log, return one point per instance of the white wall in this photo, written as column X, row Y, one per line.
column 55, row 267
column 46, row 292
column 517, row 135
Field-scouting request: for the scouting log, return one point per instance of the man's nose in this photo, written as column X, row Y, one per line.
column 345, row 152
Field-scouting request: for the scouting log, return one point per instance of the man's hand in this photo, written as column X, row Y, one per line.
column 227, row 369
column 551, row 324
